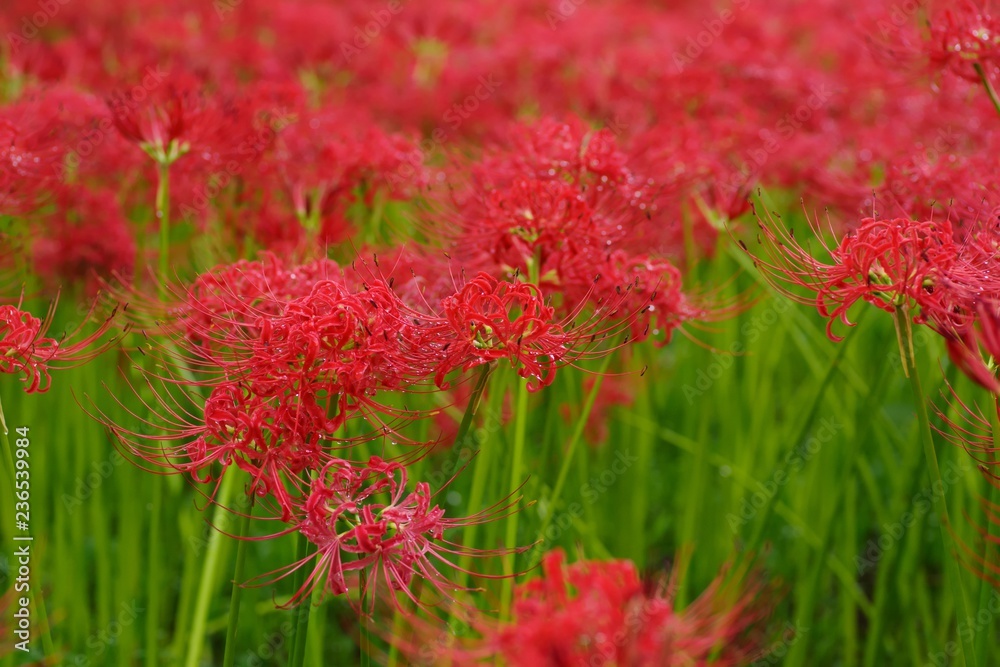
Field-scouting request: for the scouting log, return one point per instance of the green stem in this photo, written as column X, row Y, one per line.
column 302, row 548
column 234, row 604
column 314, row 638
column 574, row 443
column 163, row 216
column 473, row 406
column 516, row 471
column 153, row 584
column 807, row 601
column 990, row 90
column 209, row 571
column 480, row 476
column 764, row 513
column 906, row 343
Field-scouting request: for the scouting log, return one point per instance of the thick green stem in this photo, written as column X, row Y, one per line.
column 163, row 216
column 209, row 571
column 234, row 603
column 968, row 655
column 153, row 584
column 516, row 472
column 473, row 406
column 301, row 612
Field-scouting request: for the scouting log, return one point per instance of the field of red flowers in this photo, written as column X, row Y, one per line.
column 532, row 333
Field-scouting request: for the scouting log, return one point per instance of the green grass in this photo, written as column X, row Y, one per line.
column 799, row 451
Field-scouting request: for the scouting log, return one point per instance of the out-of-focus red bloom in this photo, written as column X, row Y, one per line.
column 324, row 158
column 87, row 239
column 975, row 349
column 32, row 147
column 602, row 613
column 26, row 349
column 964, row 35
column 890, row 263
column 172, row 118
column 363, row 518
column 548, row 194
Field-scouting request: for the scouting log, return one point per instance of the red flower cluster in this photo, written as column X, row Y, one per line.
column 602, row 613
column 299, row 366
column 389, row 541
column 891, row 263
column 558, row 202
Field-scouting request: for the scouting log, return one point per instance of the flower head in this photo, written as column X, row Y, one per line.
column 889, row 263
column 27, row 350
column 602, row 613
column 964, row 35
column 363, row 520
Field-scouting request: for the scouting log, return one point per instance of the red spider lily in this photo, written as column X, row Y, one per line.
column 976, row 348
column 170, row 120
column 965, row 35
column 325, row 157
column 362, row 519
column 26, row 349
column 602, row 613
column 553, row 192
column 487, row 320
column 966, row 425
column 887, row 263
column 228, row 298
